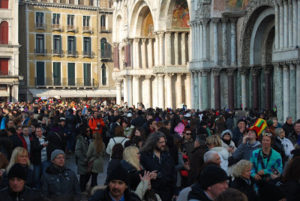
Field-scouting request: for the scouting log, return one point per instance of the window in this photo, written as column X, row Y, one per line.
column 4, row 3
column 87, row 74
column 40, row 73
column 86, row 21
column 55, row 19
column 103, row 69
column 71, row 74
column 39, row 45
column 4, row 32
column 71, row 1
column 105, row 49
column 70, row 20
column 71, row 45
column 39, row 19
column 3, row 66
column 80, row 2
column 103, row 23
column 56, row 73
column 56, row 44
column 91, row 2
column 86, row 45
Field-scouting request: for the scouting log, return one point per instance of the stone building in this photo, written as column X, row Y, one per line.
column 66, row 49
column 151, row 52
column 245, row 54
column 9, row 50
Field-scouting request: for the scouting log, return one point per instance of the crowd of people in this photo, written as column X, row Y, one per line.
column 152, row 154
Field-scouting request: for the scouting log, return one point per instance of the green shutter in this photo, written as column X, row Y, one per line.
column 71, row 74
column 87, row 74
column 56, row 73
column 40, row 73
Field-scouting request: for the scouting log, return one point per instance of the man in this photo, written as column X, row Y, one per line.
column 297, row 131
column 26, row 138
column 212, row 182
column 96, row 123
column 117, row 189
column 239, row 131
column 16, row 189
column 212, row 157
column 155, row 157
column 58, row 182
column 288, row 128
column 139, row 120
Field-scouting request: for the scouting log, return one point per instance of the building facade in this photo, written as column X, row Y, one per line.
column 245, row 54
column 9, row 50
column 151, row 52
column 66, row 49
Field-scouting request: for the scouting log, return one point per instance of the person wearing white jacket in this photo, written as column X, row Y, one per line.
column 118, row 139
column 286, row 143
column 227, row 142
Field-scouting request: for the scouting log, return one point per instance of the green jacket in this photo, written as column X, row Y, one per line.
column 92, row 155
column 80, row 153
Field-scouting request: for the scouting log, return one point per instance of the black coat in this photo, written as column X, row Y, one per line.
column 196, row 162
column 103, row 195
column 291, row 190
column 138, row 121
column 134, row 175
column 36, row 147
column 197, row 193
column 113, row 163
column 6, row 194
column 56, row 140
column 241, row 185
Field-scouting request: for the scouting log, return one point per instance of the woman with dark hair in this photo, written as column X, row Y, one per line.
column 116, row 157
column 118, row 138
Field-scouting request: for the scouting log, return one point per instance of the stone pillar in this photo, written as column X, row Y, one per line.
column 298, row 90
column 290, row 20
column 285, row 33
column 216, row 42
column 292, row 91
column 137, row 56
column 224, row 44
column 268, row 91
column 230, row 75
column 136, row 90
column 15, row 93
column 295, row 23
column 147, row 97
column 201, row 47
column 144, row 54
column 204, row 87
column 243, row 72
column 119, row 91
column 233, row 41
column 156, row 50
column 193, row 40
column 183, row 48
column 125, row 90
column 179, row 97
column 161, row 97
column 216, row 74
column 116, row 56
column 128, row 54
column 298, row 21
column 176, row 48
column 205, row 39
column 188, row 96
column 150, row 53
column 278, row 92
column 168, row 56
column 169, row 97
column 161, row 48
column 286, row 94
column 200, row 95
column 277, row 27
column 196, row 89
column 255, row 87
column 281, row 27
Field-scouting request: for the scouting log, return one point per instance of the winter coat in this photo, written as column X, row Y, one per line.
column 288, row 146
column 56, row 139
column 247, row 188
column 197, row 194
column 103, row 195
column 188, row 146
column 81, row 147
column 29, row 180
column 224, row 155
column 60, row 183
column 291, row 190
column 36, row 148
column 289, row 132
column 27, row 194
column 196, row 162
column 97, row 158
column 184, row 193
column 113, row 163
column 113, row 141
column 134, row 177
column 244, row 151
column 138, row 121
column 226, row 146
column 93, row 123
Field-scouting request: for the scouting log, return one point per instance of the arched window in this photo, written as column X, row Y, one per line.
column 4, row 3
column 4, row 32
column 104, row 78
column 103, row 23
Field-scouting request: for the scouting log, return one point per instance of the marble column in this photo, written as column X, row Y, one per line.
column 201, row 47
column 196, row 89
column 161, row 48
column 243, row 72
column 277, row 25
column 216, row 74
column 224, row 44
column 125, row 90
column 204, row 79
column 205, row 38
column 150, row 52
column 200, row 96
column 193, row 40
column 286, row 94
column 156, row 50
column 216, row 42
column 15, row 93
column 128, row 53
column 292, row 91
column 169, row 97
column 179, row 97
column 298, row 21
column 168, row 55
column 285, row 33
column 183, row 48
column 147, row 97
column 161, row 97
column 279, row 91
column 281, row 27
column 268, row 91
column 188, row 96
column 230, row 75
column 298, row 89
column 290, row 21
column 136, row 90
column 255, row 87
column 176, row 48
column 144, row 54
column 233, row 41
column 119, row 91
column 295, row 23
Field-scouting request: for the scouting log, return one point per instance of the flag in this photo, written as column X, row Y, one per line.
column 259, row 126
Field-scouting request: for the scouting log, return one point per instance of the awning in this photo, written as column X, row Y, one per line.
column 72, row 93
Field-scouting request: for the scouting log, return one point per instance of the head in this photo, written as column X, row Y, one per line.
column 187, row 134
column 242, row 169
column 297, row 127
column 280, row 132
column 275, row 122
column 17, row 176
column 252, row 135
column 25, row 130
column 266, row 140
column 226, row 135
column 39, row 132
column 58, row 157
column 289, row 120
column 119, row 131
column 232, row 194
column 62, row 121
column 213, row 141
column 131, row 154
column 19, row 155
column 212, row 157
column 156, row 141
column 10, row 124
column 241, row 124
column 118, row 182
column 117, row 151
column 292, row 172
column 152, row 124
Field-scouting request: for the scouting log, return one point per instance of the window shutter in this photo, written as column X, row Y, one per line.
column 71, row 74
column 40, row 73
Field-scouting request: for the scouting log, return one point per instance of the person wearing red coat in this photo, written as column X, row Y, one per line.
column 96, row 123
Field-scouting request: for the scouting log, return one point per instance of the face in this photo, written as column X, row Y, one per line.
column 25, row 131
column 16, row 184
column 290, row 121
column 59, row 160
column 247, row 173
column 10, row 124
column 227, row 137
column 153, row 125
column 22, row 159
column 168, row 126
column 251, row 135
column 216, row 189
column 266, row 142
column 216, row 159
column 39, row 132
column 297, row 128
column 188, row 135
column 117, row 188
column 282, row 134
column 161, row 144
column 275, row 122
column 62, row 123
column 241, row 125
column 137, row 133
column 19, row 130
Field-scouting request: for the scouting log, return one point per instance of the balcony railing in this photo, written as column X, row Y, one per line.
column 67, row 83
column 104, row 30
column 87, row 29
column 106, row 54
column 88, row 54
column 40, row 52
column 57, row 52
column 57, row 27
column 41, row 26
column 71, row 28
column 72, row 53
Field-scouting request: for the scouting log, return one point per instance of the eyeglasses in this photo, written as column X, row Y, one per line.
column 267, row 134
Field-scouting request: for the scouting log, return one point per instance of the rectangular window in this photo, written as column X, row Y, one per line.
column 56, row 44
column 3, row 66
column 86, row 21
column 71, row 44
column 87, row 45
column 71, row 1
column 56, row 73
column 87, row 74
column 71, row 74
column 70, row 20
column 39, row 18
column 56, row 18
column 39, row 44
column 40, row 73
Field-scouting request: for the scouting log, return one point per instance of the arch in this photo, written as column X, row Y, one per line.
column 118, row 32
column 4, row 32
column 103, row 75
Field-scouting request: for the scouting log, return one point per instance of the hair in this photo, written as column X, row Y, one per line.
column 98, row 142
column 129, row 155
column 292, row 172
column 3, row 161
column 117, row 151
column 240, row 168
column 232, row 194
column 214, row 140
column 151, row 141
column 16, row 152
column 119, row 131
column 278, row 131
column 208, row 156
column 143, row 136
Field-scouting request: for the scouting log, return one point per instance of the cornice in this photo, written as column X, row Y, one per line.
column 59, row 5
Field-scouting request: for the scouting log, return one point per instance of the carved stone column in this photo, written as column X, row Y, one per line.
column 188, row 96
column 150, row 53
column 216, row 74
column 169, row 96
column 216, row 41
column 137, row 53
column 119, row 91
column 230, row 75
column 286, row 94
column 144, row 54
column 116, row 56
column 268, row 70
column 224, row 44
column 243, row 72
column 292, row 90
column 176, row 48
column 200, row 96
column 279, row 91
column 147, row 96
column 298, row 87
column 156, row 50
column 161, row 97
column 161, row 48
column 204, row 79
column 168, row 56
column 136, row 90
column 255, row 85
column 179, row 97
column 233, row 41
column 183, row 48
column 128, row 54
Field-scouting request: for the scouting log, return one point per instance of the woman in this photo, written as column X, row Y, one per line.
column 227, row 142
column 119, row 138
column 242, row 179
column 95, row 156
column 116, row 157
column 267, row 163
column 127, row 127
column 287, row 145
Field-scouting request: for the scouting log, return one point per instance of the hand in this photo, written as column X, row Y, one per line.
column 261, row 172
column 245, row 138
column 186, row 166
column 146, row 177
column 153, row 174
column 230, row 149
column 257, row 177
column 274, row 176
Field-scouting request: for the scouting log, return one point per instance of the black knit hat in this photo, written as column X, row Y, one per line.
column 18, row 171
column 211, row 175
column 119, row 173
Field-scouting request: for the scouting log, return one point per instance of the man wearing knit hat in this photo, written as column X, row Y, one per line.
column 212, row 181
column 117, row 189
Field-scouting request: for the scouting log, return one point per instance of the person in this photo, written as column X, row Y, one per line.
column 16, row 189
column 232, row 194
column 212, row 157
column 96, row 123
column 212, row 182
column 227, row 142
column 242, row 179
column 155, row 157
column 188, row 142
column 117, row 188
column 238, row 131
column 118, row 138
column 267, row 163
column 287, row 145
column 116, row 157
column 288, row 128
column 58, row 182
column 297, row 131
column 95, row 156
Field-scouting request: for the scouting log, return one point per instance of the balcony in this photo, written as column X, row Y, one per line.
column 59, row 53
column 88, row 54
column 72, row 53
column 104, row 30
column 57, row 27
column 87, row 29
column 40, row 26
column 71, row 28
column 106, row 55
column 65, row 83
column 40, row 52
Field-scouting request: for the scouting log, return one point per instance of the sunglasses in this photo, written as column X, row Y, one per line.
column 267, row 134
